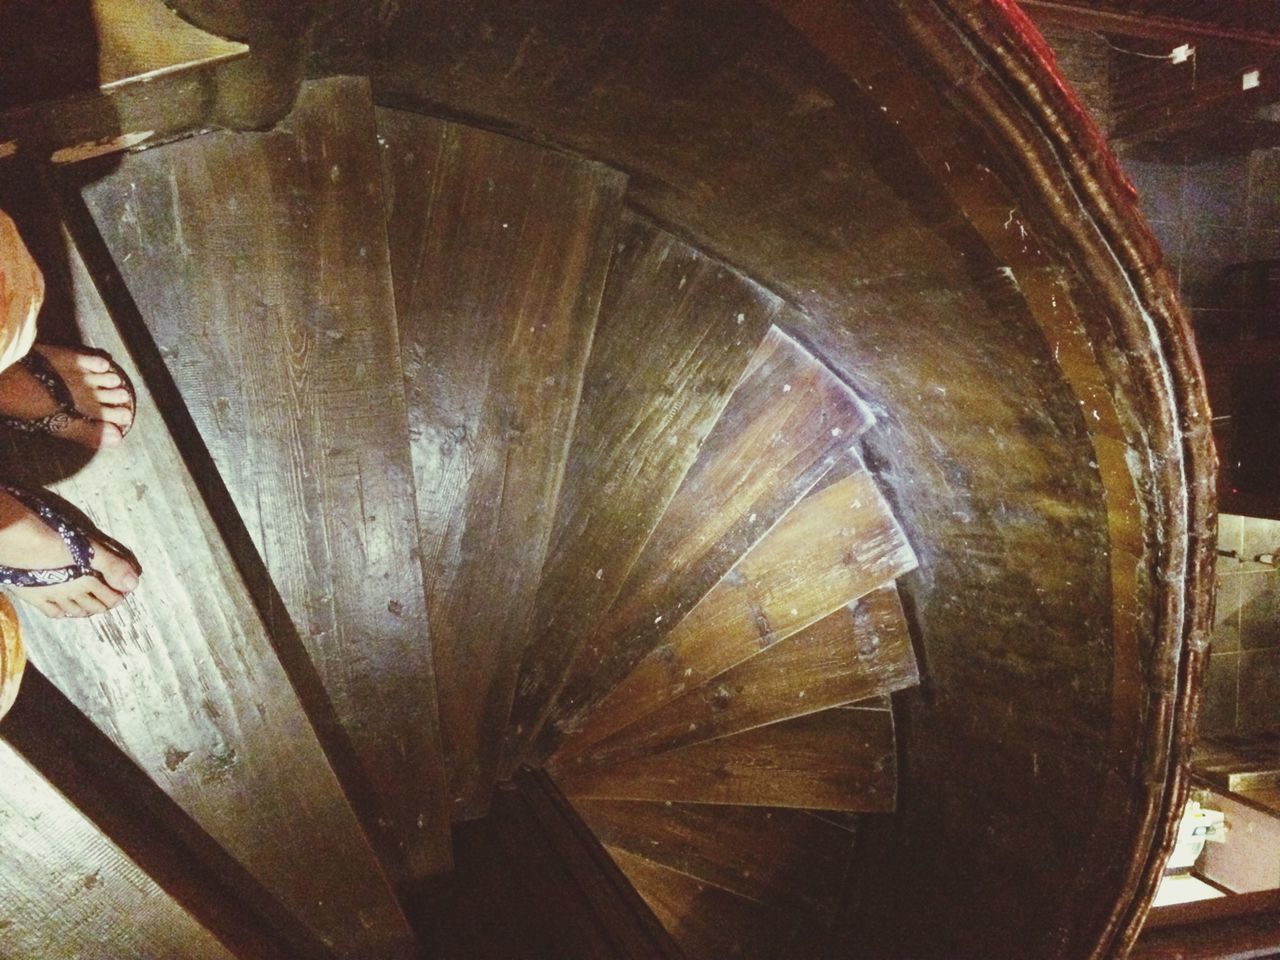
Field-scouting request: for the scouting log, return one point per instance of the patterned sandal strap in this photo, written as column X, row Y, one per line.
column 77, row 545
column 39, row 367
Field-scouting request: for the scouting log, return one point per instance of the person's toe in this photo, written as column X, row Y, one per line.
column 92, row 433
column 92, row 362
column 121, row 417
column 104, row 381
column 89, row 604
column 105, row 595
column 111, row 396
column 119, row 574
column 49, row 608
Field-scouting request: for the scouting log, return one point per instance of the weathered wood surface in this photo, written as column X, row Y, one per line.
column 259, row 263
column 501, row 251
column 185, row 677
column 676, row 333
column 838, row 544
column 91, row 773
column 140, row 40
column 776, row 856
column 709, row 923
column 885, row 215
column 67, row 892
column 118, row 41
column 787, row 422
column 840, row 759
column 861, row 650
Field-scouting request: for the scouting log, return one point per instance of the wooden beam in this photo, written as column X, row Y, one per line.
column 1182, row 102
column 1175, row 30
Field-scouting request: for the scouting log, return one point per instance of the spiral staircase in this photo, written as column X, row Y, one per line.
column 529, row 574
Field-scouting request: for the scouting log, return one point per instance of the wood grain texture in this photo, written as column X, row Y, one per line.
column 93, row 775
column 67, row 892
column 861, row 650
column 185, row 677
column 259, row 263
column 100, row 45
column 140, row 40
column 835, row 546
column 501, row 251
column 709, row 923
column 787, row 858
column 675, row 334
column 787, row 422
column 840, row 759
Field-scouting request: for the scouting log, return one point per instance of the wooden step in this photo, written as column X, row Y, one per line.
column 500, row 251
column 185, row 677
column 861, row 650
column 787, row 422
column 708, row 923
column 67, row 892
column 92, row 774
column 837, row 545
column 675, row 334
column 840, row 759
column 790, row 859
column 75, row 79
column 260, row 265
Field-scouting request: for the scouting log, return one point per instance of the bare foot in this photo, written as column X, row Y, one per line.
column 28, row 543
column 97, row 391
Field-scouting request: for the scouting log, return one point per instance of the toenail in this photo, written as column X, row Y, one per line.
column 130, row 581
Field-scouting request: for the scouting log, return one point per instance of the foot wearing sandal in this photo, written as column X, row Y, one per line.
column 76, row 395
column 49, row 561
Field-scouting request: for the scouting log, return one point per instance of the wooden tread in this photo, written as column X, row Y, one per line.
column 259, row 263
column 861, row 650
column 790, row 859
column 500, row 251
column 708, row 923
column 676, row 332
column 185, row 677
column 841, row 759
column 64, row 885
column 835, row 546
column 788, row 421
column 104, row 45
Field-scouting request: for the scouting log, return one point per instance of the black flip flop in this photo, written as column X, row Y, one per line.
column 60, row 420
column 72, row 528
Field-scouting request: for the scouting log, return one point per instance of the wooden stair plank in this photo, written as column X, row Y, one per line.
column 119, row 42
column 840, row 759
column 676, row 332
column 788, row 421
column 79, row 80
column 786, row 858
column 508, row 246
column 67, row 892
column 708, row 923
column 81, row 763
column 835, row 546
column 185, row 677
column 861, row 650
column 259, row 262
column 142, row 40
